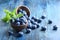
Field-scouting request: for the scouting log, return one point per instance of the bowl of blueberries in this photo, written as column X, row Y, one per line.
column 21, row 23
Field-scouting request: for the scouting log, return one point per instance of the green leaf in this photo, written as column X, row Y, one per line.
column 6, row 18
column 13, row 12
column 7, row 11
column 10, row 15
column 19, row 15
column 14, row 16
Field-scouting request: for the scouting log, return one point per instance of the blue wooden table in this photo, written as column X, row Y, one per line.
column 52, row 12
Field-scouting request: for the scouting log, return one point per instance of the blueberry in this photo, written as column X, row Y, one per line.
column 23, row 19
column 14, row 33
column 28, row 31
column 12, row 20
column 29, row 27
column 32, row 22
column 24, row 12
column 32, row 18
column 26, row 16
column 54, row 27
column 18, row 35
column 24, row 23
column 38, row 26
column 21, row 10
column 43, row 29
column 17, row 20
column 10, row 33
column 39, row 21
column 21, row 33
column 33, row 27
column 21, row 23
column 18, row 23
column 35, row 19
column 42, row 17
column 49, row 22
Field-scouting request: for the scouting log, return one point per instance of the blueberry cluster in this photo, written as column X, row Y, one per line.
column 18, row 21
column 36, row 20
column 33, row 23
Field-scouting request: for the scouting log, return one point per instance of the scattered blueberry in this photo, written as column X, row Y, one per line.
column 33, row 27
column 10, row 33
column 43, row 29
column 49, row 22
column 28, row 31
column 29, row 27
column 38, row 26
column 54, row 27
column 42, row 17
column 32, row 21
column 39, row 21
column 35, row 19
column 18, row 35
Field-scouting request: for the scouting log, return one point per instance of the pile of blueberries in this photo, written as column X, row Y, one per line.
column 18, row 21
column 33, row 23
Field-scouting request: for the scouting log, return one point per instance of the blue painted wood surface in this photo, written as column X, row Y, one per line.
column 52, row 12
